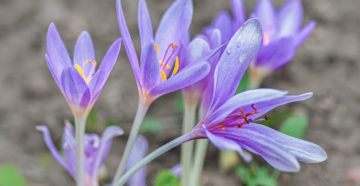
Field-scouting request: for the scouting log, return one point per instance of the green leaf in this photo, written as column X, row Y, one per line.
column 152, row 125
column 255, row 175
column 264, row 178
column 277, row 118
column 114, row 123
column 244, row 84
column 179, row 102
column 92, row 120
column 166, row 178
column 295, row 126
column 10, row 176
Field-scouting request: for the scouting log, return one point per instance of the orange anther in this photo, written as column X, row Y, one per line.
column 223, row 126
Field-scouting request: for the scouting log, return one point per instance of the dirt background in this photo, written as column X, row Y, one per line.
column 327, row 64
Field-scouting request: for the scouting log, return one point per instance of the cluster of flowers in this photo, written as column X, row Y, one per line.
column 207, row 69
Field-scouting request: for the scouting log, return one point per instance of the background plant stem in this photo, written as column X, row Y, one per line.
column 187, row 148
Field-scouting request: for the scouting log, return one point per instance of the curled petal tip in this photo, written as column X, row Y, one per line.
column 41, row 128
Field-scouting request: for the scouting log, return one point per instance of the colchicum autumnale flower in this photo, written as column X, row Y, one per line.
column 282, row 35
column 78, row 80
column 96, row 150
column 158, row 72
column 229, row 122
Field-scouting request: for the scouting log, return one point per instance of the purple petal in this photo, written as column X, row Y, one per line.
column 182, row 79
column 266, row 106
column 197, row 48
column 145, row 27
column 69, row 147
column 290, row 18
column 236, row 58
column 269, row 149
column 238, row 11
column 304, row 33
column 243, row 99
column 137, row 153
column 76, row 90
column 276, row 54
column 174, row 25
column 92, row 144
column 57, row 52
column 224, row 23
column 53, row 70
column 304, row 151
column 105, row 144
column 129, row 46
column 176, row 170
column 265, row 12
column 227, row 144
column 99, row 79
column 215, row 38
column 150, row 69
column 52, row 148
column 83, row 51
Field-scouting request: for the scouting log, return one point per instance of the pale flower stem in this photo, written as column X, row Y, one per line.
column 80, row 151
column 140, row 114
column 200, row 154
column 187, row 148
column 168, row 146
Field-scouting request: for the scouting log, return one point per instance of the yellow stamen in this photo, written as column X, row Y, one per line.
column 163, row 75
column 156, row 49
column 176, row 67
column 265, row 39
column 167, row 67
column 81, row 72
column 160, row 63
column 223, row 126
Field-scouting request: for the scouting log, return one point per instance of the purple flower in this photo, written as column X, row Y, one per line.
column 96, row 150
column 282, row 34
column 229, row 122
column 197, row 51
column 227, row 24
column 137, row 153
column 208, row 46
column 78, row 80
column 158, row 72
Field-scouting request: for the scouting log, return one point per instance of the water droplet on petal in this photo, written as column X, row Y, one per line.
column 228, row 51
column 242, row 58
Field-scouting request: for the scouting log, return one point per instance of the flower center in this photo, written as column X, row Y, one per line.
column 87, row 75
column 239, row 119
column 164, row 63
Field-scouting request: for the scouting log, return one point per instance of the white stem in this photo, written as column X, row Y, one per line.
column 168, row 146
column 140, row 114
column 80, row 150
column 187, row 148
